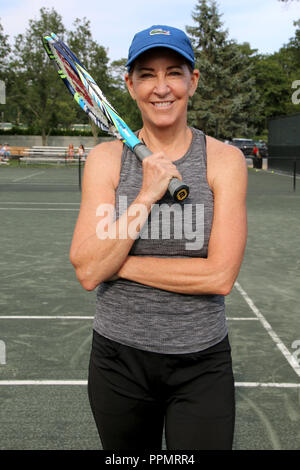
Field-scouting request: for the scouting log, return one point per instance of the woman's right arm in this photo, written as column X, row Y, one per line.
column 97, row 258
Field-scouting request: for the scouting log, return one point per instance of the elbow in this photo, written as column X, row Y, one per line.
column 83, row 276
column 213, row 288
column 221, row 289
column 224, row 282
column 227, row 285
column 88, row 285
column 86, row 281
column 227, row 276
column 226, row 289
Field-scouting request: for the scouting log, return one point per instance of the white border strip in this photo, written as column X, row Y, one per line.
column 289, row 357
column 84, row 382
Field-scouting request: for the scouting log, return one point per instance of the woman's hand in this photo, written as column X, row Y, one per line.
column 158, row 170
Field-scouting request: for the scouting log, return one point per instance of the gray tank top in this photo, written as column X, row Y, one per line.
column 153, row 319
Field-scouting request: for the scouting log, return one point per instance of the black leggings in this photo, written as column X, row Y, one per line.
column 134, row 393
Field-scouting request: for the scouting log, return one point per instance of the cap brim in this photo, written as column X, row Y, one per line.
column 147, row 48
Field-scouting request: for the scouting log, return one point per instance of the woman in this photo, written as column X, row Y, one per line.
column 81, row 152
column 70, row 152
column 160, row 353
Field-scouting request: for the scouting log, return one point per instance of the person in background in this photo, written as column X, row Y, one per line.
column 70, row 152
column 5, row 151
column 81, row 152
column 257, row 160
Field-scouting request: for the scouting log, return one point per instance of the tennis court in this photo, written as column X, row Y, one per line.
column 46, row 317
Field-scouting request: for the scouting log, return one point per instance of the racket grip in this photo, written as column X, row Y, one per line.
column 178, row 190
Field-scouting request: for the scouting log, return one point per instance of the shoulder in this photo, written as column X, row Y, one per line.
column 219, row 151
column 104, row 160
column 111, row 148
column 224, row 161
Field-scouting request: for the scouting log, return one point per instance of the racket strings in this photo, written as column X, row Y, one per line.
column 71, row 77
column 99, row 100
column 82, row 86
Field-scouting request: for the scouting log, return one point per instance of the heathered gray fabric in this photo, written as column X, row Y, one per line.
column 153, row 319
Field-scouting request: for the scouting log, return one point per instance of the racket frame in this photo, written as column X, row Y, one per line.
column 90, row 98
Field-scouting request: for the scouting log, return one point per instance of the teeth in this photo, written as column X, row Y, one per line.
column 163, row 104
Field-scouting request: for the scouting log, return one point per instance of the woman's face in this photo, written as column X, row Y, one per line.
column 161, row 83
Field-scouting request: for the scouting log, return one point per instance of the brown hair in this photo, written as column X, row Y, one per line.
column 184, row 61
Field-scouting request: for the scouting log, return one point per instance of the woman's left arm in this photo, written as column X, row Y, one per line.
column 217, row 273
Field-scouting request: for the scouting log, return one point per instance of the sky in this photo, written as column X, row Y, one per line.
column 265, row 24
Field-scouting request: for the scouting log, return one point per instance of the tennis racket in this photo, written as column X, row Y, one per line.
column 90, row 98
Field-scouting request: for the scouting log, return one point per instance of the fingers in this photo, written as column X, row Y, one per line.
column 158, row 171
column 158, row 163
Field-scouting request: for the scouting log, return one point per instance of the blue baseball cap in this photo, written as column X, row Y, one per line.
column 161, row 36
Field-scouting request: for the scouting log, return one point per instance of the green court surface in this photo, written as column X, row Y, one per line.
column 46, row 318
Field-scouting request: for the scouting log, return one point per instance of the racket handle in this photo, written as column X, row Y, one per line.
column 178, row 190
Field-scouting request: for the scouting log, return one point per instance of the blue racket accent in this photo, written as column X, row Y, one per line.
column 129, row 137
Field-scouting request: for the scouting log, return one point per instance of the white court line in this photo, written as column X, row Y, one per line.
column 45, row 203
column 82, row 317
column 84, row 382
column 34, row 209
column 64, row 183
column 289, row 357
column 9, row 276
column 28, row 176
column 45, row 317
column 242, row 318
column 282, row 174
column 270, row 385
column 43, row 382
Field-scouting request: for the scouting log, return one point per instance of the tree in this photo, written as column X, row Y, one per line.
column 289, row 58
column 275, row 74
column 272, row 83
column 36, row 94
column 120, row 97
column 226, row 103
column 4, row 53
column 294, row 44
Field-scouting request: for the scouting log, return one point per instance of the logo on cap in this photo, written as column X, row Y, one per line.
column 159, row 31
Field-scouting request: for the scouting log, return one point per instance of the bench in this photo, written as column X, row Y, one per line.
column 44, row 154
column 17, row 151
column 15, row 154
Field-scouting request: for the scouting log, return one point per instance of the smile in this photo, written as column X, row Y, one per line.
column 162, row 104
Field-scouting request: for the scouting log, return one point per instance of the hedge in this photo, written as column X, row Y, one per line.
column 55, row 132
